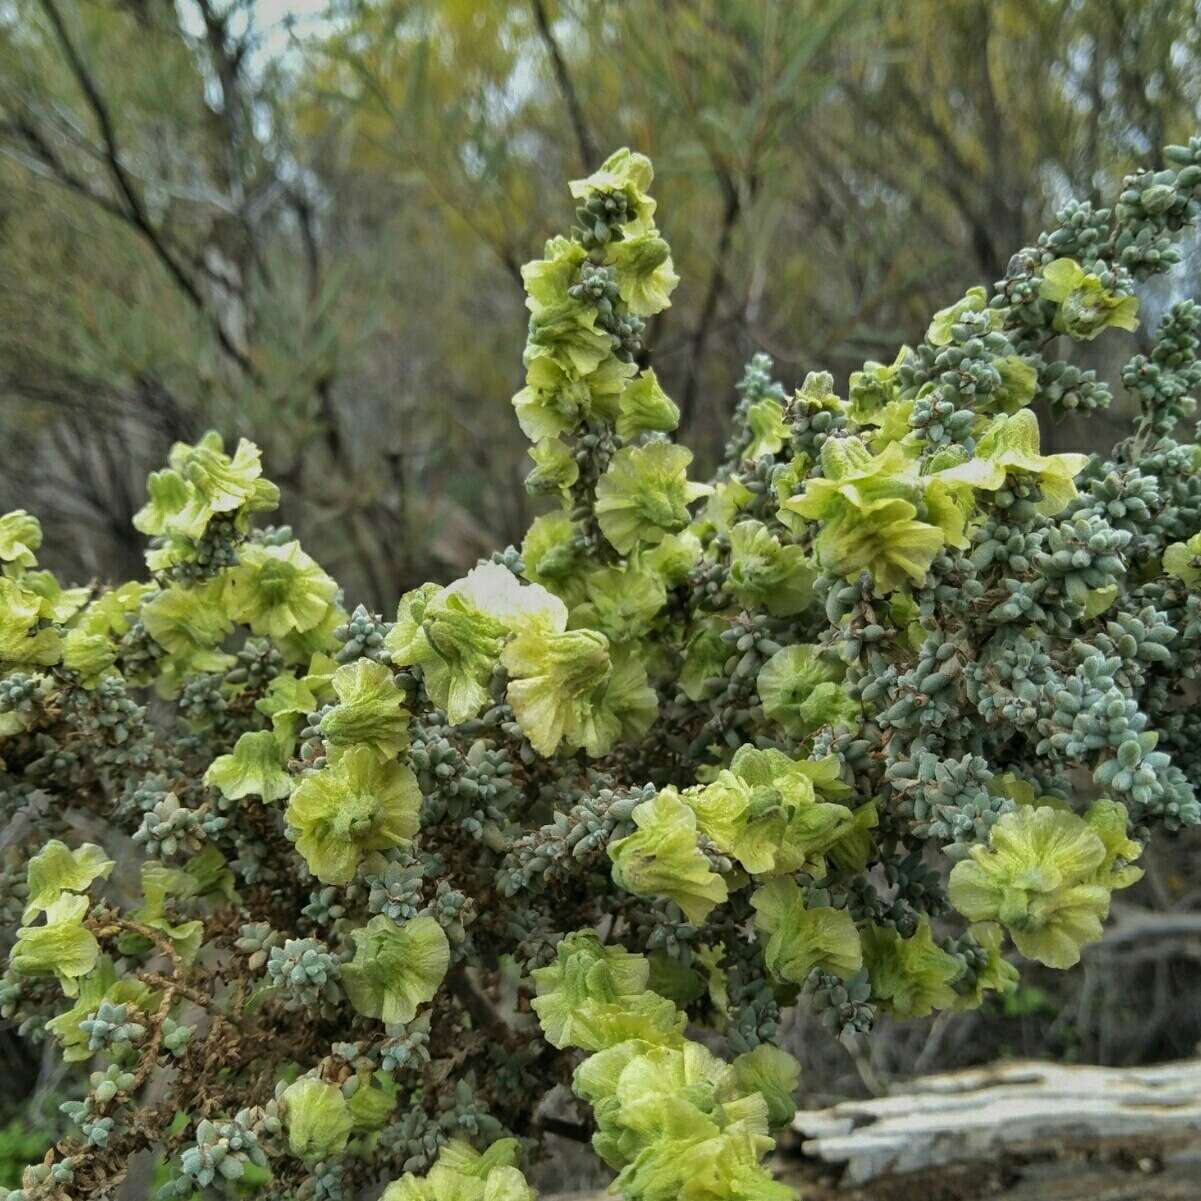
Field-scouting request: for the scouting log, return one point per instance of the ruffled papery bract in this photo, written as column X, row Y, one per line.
column 975, row 300
column 552, row 677
column 621, row 602
column 630, row 175
column 802, row 692
column 358, row 804
column 621, row 708
column 1046, row 876
column 1183, row 560
column 644, row 408
column 1086, row 306
column 555, row 470
column 396, row 968
column 646, row 277
column 799, row 938
column 62, row 946
column 1009, row 446
column 764, row 573
column 911, row 976
column 456, row 634
column 769, row 430
column 23, row 641
column 645, row 494
column 867, row 509
column 56, row 869
column 370, row 711
column 20, row 538
column 201, row 483
column 663, row 858
column 461, row 1173
column 594, row 996
column 317, row 1117
column 278, row 590
column 765, row 812
column 188, row 620
column 253, row 768
column 774, row 1074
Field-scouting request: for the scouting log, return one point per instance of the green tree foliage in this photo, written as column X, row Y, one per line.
column 312, row 235
column 888, row 707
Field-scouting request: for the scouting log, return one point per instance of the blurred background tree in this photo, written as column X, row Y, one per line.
column 305, row 222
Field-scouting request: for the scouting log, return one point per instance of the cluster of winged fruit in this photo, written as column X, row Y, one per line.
column 317, row 899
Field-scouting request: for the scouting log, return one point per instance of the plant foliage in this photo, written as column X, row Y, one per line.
column 894, row 698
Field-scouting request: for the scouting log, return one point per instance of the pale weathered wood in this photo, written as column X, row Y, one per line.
column 984, row 1114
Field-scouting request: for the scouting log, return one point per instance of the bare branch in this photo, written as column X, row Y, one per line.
column 137, row 213
column 583, row 136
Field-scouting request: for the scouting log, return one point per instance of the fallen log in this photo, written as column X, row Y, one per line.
column 1025, row 1109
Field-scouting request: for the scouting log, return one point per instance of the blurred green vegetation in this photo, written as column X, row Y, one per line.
column 20, row 1144
column 306, row 224
column 24, row 1139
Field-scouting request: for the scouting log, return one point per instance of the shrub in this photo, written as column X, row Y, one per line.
column 894, row 693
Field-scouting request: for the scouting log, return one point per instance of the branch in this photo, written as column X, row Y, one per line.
column 575, row 1131
column 1136, row 925
column 486, row 1019
column 137, row 213
column 583, row 137
column 717, row 283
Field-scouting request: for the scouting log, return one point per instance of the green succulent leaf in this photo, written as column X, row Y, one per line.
column 101, row 984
